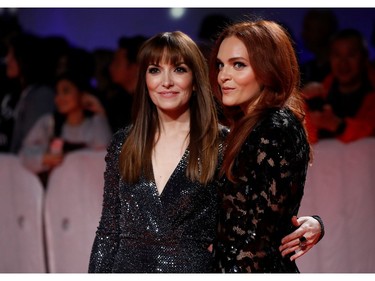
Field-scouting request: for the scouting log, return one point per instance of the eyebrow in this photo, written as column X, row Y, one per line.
column 174, row 64
column 178, row 63
column 234, row 59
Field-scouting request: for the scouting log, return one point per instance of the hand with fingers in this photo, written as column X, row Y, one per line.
column 309, row 232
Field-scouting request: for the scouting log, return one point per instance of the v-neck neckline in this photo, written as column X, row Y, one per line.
column 167, row 183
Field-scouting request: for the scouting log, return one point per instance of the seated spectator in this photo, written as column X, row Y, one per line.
column 70, row 128
column 343, row 105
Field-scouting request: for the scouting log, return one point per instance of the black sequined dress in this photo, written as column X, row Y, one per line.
column 256, row 213
column 142, row 231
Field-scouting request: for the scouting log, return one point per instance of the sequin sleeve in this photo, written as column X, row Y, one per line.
column 107, row 235
column 257, row 212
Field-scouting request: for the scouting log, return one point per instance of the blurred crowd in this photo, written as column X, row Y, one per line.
column 56, row 97
column 339, row 82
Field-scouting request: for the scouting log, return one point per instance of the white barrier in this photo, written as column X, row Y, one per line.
column 72, row 210
column 21, row 228
column 341, row 189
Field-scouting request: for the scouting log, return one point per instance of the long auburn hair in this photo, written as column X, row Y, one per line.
column 273, row 59
column 135, row 157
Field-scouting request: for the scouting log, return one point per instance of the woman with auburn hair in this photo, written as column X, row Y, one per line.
column 254, row 73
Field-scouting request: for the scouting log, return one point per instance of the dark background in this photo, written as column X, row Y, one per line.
column 93, row 28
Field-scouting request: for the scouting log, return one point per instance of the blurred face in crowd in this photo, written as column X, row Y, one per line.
column 347, row 60
column 236, row 76
column 170, row 86
column 317, row 28
column 12, row 69
column 68, row 97
column 122, row 71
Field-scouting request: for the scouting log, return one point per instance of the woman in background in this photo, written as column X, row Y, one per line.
column 69, row 128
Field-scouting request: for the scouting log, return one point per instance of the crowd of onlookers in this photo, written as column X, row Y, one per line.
column 56, row 97
column 339, row 83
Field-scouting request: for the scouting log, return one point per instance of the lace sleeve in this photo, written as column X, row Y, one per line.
column 273, row 174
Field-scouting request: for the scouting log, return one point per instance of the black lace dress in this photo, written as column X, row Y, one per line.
column 142, row 231
column 256, row 213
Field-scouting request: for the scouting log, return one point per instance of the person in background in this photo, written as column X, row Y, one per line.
column 9, row 88
column 27, row 63
column 342, row 106
column 69, row 128
column 77, row 60
column 318, row 26
column 117, row 98
column 123, row 72
column 160, row 193
column 255, row 75
column 209, row 29
column 102, row 80
column 58, row 49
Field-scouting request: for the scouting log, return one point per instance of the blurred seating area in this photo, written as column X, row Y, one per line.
column 53, row 231
column 50, row 231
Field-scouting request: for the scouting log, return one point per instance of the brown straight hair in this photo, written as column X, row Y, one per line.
column 135, row 159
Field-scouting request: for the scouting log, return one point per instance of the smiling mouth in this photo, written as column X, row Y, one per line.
column 227, row 90
column 168, row 94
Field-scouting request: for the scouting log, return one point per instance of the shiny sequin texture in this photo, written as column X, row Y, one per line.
column 142, row 231
column 256, row 213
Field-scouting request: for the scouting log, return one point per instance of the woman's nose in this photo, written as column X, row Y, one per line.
column 223, row 74
column 167, row 80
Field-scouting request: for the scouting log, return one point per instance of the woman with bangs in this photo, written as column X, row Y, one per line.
column 159, row 210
